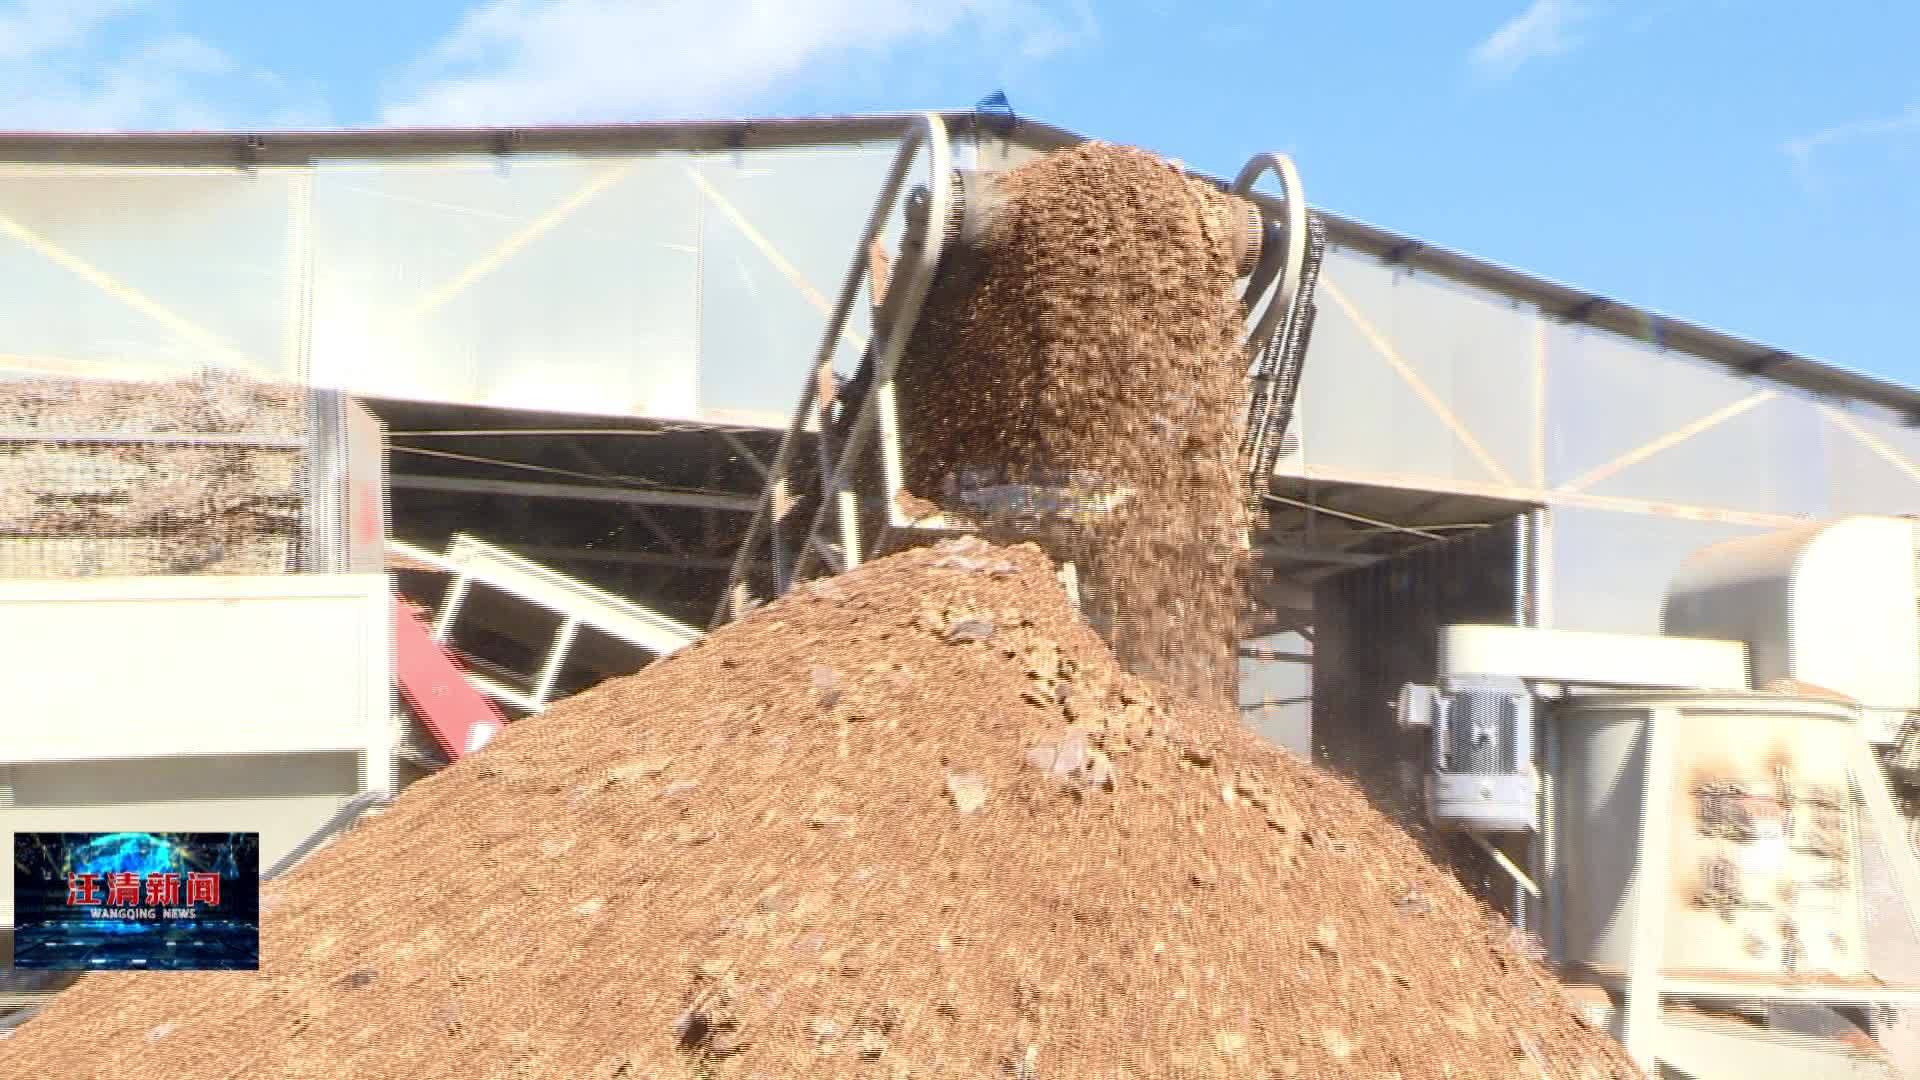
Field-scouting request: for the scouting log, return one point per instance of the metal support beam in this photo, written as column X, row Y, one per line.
column 1667, row 441
column 1434, row 402
column 739, row 446
column 199, row 337
column 512, row 245
column 1247, row 652
column 584, row 492
column 1314, row 510
column 659, row 531
column 1305, row 553
column 1646, row 953
column 1549, row 497
column 618, row 557
column 877, row 410
column 456, row 595
column 1520, row 877
column 1867, row 439
column 927, row 132
column 556, row 659
column 1538, row 442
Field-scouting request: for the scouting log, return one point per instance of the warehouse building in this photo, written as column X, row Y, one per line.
column 586, row 344
column 669, row 281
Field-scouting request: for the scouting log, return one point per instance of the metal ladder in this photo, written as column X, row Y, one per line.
column 900, row 297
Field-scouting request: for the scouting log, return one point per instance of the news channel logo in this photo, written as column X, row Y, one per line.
column 136, row 901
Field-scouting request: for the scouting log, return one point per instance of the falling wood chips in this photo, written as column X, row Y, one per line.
column 1101, row 337
column 638, row 884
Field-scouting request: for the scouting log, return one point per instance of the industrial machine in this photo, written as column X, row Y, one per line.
column 1713, row 817
column 1720, row 870
column 944, row 221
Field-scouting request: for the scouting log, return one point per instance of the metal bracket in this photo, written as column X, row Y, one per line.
column 247, row 152
column 1420, row 708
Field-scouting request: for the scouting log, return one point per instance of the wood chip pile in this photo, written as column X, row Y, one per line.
column 1100, row 337
column 911, row 822
column 70, row 507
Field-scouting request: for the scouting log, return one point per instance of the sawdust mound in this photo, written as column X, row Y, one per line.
column 72, row 507
column 909, row 822
column 1095, row 334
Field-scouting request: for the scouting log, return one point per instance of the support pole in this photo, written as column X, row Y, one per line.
column 556, row 660
column 1646, row 955
column 450, row 608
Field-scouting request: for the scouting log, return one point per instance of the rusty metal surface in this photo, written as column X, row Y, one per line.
column 1763, row 845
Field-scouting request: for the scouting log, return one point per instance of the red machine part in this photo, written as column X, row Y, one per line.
column 460, row 718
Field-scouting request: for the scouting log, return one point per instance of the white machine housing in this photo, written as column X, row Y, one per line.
column 1704, row 834
column 1831, row 604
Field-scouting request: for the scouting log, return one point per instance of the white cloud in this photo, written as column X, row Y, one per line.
column 1543, row 31
column 104, row 65
column 31, row 28
column 1801, row 151
column 557, row 61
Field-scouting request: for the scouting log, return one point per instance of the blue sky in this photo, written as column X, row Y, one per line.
column 1754, row 166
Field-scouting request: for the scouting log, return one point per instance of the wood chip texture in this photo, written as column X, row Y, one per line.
column 1096, row 343
column 920, row 825
column 76, row 508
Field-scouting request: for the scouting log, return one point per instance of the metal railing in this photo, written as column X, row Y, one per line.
column 342, row 820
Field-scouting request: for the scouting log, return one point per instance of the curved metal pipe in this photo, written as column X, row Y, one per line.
column 342, row 819
column 1288, row 287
